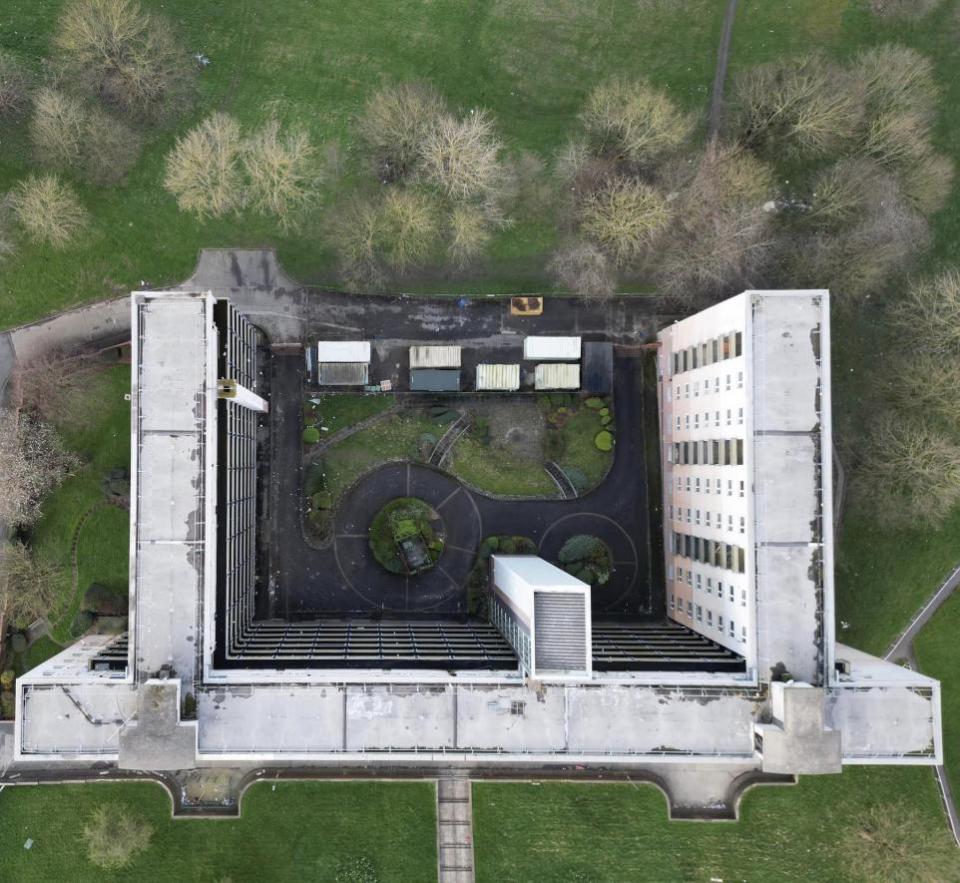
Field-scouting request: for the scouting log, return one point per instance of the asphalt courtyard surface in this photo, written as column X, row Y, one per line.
column 345, row 579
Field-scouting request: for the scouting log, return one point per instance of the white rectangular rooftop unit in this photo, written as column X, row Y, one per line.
column 434, row 357
column 561, row 349
column 557, row 375
column 505, row 378
column 343, row 351
column 544, row 613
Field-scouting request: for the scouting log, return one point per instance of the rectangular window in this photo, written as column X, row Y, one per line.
column 738, row 344
column 688, row 484
column 689, row 580
column 740, row 380
column 740, row 416
column 696, row 388
column 733, row 628
column 670, row 571
column 720, row 590
column 686, row 390
column 743, row 524
column 720, row 621
column 729, row 487
column 679, row 574
column 709, row 585
column 739, row 452
column 743, row 597
column 743, row 634
column 715, row 346
column 706, row 484
column 699, row 582
column 686, row 420
column 689, row 608
column 693, row 357
column 709, row 617
column 679, row 480
column 707, row 520
column 696, row 484
column 729, row 417
column 716, row 383
column 716, row 419
column 741, row 488
column 696, row 421
column 699, row 613
column 678, row 422
column 671, row 601
column 731, row 593
column 671, row 511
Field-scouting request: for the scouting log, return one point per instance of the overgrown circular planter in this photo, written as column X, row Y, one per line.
column 407, row 536
column 588, row 558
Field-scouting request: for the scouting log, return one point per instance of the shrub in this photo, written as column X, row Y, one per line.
column 57, row 127
column 7, row 678
column 634, row 120
column 280, row 172
column 588, row 558
column 202, row 170
column 311, row 435
column 15, row 83
column 624, row 218
column 123, row 55
column 605, row 419
column 314, row 478
column 29, row 584
column 114, row 835
column 603, row 440
column 7, row 704
column 927, row 182
column 461, row 157
column 48, row 210
column 897, row 79
column 583, row 269
column 394, row 124
column 595, row 403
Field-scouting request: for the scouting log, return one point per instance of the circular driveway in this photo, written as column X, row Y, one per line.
column 390, row 592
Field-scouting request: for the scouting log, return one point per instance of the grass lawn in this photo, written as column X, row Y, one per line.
column 103, row 441
column 336, row 412
column 395, row 438
column 531, row 62
column 288, row 832
column 936, row 648
column 580, row 454
column 39, row 651
column 586, row 832
column 497, row 470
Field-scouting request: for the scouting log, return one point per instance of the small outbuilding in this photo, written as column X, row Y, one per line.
column 434, row 357
column 435, row 380
column 343, row 362
column 502, row 378
column 558, row 349
column 557, row 375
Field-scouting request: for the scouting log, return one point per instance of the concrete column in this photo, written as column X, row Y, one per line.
column 230, row 389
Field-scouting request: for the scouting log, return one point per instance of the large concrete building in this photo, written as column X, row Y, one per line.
column 740, row 670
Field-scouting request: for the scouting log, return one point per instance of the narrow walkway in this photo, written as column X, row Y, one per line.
column 455, row 828
column 448, row 440
column 720, row 74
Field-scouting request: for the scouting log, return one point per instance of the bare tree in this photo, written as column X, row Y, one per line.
column 841, row 193
column 394, row 124
column 114, row 836
column 634, row 120
column 583, row 269
column 203, row 169
column 897, row 79
column 928, row 318
column 624, row 218
column 57, row 127
column 807, row 105
column 892, row 843
column 469, row 234
column 281, row 172
column 48, row 210
column 125, row 56
column 462, row 157
column 721, row 233
column 33, row 462
column 927, row 384
column 927, row 182
column 110, row 148
column 48, row 386
column 910, row 473
column 408, row 228
column 29, row 584
column 354, row 234
column 15, row 84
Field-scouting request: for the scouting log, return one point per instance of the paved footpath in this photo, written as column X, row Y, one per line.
column 455, row 828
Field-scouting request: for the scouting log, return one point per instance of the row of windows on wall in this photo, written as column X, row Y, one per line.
column 706, row 388
column 692, row 485
column 698, row 583
column 695, row 611
column 711, row 552
column 726, row 346
column 686, row 424
column 709, row 452
column 694, row 516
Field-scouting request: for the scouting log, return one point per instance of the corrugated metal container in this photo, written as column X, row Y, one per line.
column 434, row 357
column 564, row 349
column 435, row 380
column 343, row 351
column 343, row 373
column 555, row 375
column 501, row 377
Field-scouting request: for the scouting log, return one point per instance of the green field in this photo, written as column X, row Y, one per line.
column 314, row 64
column 290, row 831
column 936, row 649
column 614, row 832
